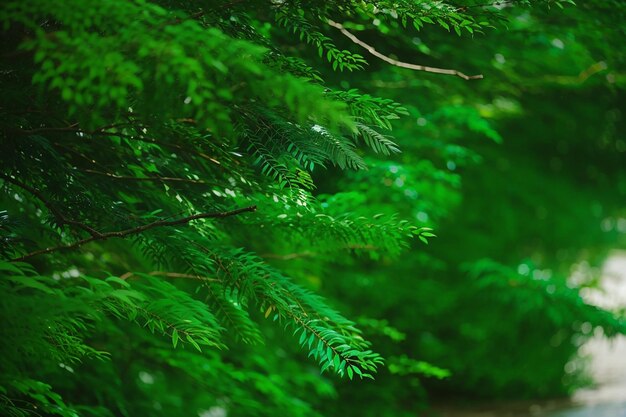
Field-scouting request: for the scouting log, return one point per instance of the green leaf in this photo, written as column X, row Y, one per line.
column 174, row 338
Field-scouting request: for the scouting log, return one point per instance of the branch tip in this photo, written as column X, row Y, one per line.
column 397, row 63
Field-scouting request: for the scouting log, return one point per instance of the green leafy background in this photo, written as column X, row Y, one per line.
column 231, row 208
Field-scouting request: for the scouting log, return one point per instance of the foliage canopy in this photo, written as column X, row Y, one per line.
column 181, row 181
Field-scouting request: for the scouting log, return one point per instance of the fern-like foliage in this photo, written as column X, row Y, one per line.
column 296, row 22
column 155, row 156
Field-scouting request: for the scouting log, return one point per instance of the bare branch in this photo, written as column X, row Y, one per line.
column 581, row 77
column 136, row 230
column 128, row 275
column 397, row 63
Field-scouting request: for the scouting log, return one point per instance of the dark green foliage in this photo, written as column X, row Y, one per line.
column 191, row 191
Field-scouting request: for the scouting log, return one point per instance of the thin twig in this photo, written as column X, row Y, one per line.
column 169, row 275
column 55, row 212
column 136, row 230
column 581, row 77
column 397, row 63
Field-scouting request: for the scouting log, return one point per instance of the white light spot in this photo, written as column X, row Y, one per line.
column 557, row 43
column 66, row 367
column 187, row 100
column 146, row 378
column 215, row 411
column 410, row 193
column 607, row 224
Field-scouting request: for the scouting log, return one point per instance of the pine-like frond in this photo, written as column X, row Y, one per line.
column 377, row 141
column 297, row 23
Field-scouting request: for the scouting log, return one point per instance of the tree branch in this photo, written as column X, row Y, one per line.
column 135, row 230
column 397, row 63
column 55, row 212
column 128, row 275
column 581, row 77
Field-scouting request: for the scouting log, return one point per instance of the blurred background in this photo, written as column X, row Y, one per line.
column 523, row 176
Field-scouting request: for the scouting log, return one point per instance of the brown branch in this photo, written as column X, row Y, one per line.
column 581, row 77
column 169, row 275
column 181, row 275
column 55, row 212
column 135, row 230
column 397, row 63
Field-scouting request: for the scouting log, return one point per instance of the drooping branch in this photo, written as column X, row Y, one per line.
column 136, row 230
column 55, row 212
column 397, row 63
